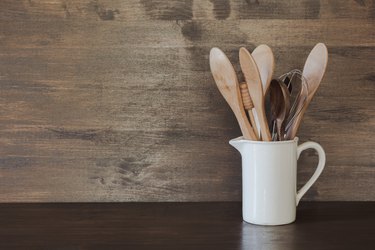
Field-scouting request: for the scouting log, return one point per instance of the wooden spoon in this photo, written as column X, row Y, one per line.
column 227, row 83
column 254, row 83
column 280, row 106
column 313, row 71
column 265, row 62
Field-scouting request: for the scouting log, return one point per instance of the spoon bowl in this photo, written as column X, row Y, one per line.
column 226, row 80
column 265, row 61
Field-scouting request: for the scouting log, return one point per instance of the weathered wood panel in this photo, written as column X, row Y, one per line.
column 137, row 10
column 114, row 100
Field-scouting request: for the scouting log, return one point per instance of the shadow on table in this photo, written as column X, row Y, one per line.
column 318, row 226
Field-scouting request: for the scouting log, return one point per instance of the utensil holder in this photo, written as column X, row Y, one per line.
column 269, row 179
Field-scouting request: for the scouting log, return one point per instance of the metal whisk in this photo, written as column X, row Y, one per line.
column 296, row 84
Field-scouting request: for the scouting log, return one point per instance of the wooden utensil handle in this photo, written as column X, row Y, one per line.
column 246, row 99
column 248, row 105
column 253, row 123
column 246, row 129
column 292, row 130
column 264, row 129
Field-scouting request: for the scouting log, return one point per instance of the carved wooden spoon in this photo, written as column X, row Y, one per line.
column 280, row 106
column 313, row 72
column 265, row 62
column 227, row 83
column 254, row 83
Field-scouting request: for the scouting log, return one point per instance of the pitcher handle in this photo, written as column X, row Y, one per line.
column 319, row 168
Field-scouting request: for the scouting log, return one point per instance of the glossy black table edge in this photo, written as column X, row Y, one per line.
column 182, row 225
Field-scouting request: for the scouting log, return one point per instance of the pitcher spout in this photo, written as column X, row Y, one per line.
column 238, row 143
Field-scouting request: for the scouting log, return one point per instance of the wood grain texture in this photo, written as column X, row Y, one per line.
column 170, row 226
column 114, row 101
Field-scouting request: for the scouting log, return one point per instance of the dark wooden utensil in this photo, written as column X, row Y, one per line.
column 280, row 106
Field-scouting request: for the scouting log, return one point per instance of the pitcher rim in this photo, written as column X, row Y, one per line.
column 241, row 139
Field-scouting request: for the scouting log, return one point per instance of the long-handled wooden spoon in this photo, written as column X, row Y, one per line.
column 265, row 61
column 254, row 83
column 227, row 83
column 313, row 72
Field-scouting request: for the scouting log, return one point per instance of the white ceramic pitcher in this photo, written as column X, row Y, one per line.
column 269, row 179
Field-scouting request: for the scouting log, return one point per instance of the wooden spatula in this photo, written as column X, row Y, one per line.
column 254, row 83
column 313, row 72
column 227, row 83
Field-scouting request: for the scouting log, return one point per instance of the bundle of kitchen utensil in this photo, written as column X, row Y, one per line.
column 268, row 109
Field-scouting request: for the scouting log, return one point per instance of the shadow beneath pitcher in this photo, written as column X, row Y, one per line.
column 319, row 224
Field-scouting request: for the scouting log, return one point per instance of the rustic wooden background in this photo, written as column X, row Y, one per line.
column 112, row 100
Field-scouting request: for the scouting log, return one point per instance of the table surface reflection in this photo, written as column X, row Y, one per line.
column 201, row 225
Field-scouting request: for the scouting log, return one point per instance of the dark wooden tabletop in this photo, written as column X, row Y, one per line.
column 214, row 225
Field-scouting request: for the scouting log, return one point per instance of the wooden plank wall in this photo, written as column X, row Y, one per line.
column 112, row 100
